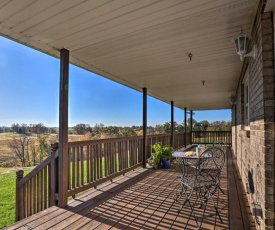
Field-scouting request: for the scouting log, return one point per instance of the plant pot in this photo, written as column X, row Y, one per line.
column 166, row 164
column 149, row 165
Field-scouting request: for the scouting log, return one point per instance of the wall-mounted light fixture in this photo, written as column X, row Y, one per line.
column 241, row 43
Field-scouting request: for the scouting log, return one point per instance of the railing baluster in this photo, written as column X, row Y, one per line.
column 127, row 154
column 111, row 162
column 73, row 168
column 114, row 156
column 27, row 198
column 100, row 160
column 133, row 152
column 88, row 167
column 91, row 163
column 103, row 150
column 81, row 165
column 31, row 194
column 69, row 169
column 98, row 153
column 42, row 189
column 45, row 188
column 119, row 156
column 77, row 167
column 24, row 201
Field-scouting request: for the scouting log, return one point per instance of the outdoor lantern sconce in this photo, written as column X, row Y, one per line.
column 241, row 43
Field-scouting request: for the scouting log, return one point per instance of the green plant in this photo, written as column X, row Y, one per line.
column 167, row 151
column 157, row 154
column 161, row 151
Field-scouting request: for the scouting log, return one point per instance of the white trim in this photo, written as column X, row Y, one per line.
column 246, row 84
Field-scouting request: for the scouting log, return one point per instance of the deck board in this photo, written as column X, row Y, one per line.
column 143, row 199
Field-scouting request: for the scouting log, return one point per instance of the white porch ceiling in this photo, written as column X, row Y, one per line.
column 142, row 43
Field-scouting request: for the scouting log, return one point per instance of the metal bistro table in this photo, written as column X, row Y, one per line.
column 194, row 180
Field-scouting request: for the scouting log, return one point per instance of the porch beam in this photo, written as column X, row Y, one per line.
column 185, row 127
column 172, row 124
column 144, row 127
column 63, row 129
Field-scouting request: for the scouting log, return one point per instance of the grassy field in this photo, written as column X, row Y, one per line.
column 7, row 201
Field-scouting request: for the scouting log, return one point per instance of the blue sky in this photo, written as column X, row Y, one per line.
column 29, row 93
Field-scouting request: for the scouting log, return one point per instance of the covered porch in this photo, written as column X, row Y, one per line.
column 179, row 52
column 143, row 199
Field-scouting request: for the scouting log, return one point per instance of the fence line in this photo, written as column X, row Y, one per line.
column 210, row 137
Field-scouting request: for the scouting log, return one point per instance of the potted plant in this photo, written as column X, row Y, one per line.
column 157, row 154
column 162, row 155
column 167, row 151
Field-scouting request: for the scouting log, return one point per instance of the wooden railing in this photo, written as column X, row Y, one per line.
column 179, row 140
column 91, row 163
column 210, row 137
column 34, row 191
column 97, row 161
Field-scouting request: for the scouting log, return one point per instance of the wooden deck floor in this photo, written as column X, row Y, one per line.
column 143, row 199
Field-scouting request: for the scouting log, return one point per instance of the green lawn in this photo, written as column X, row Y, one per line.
column 7, row 201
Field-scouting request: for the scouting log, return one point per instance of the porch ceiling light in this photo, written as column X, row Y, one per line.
column 241, row 43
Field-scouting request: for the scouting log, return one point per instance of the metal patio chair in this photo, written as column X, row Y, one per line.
column 196, row 185
column 214, row 167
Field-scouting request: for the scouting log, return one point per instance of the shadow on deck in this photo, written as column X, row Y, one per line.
column 143, row 199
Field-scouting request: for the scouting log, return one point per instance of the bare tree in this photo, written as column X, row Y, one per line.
column 20, row 148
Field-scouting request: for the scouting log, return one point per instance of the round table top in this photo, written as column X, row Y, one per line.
column 190, row 154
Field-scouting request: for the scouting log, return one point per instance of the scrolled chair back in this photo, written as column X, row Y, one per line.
column 213, row 158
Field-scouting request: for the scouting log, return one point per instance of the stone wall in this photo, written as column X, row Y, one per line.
column 254, row 148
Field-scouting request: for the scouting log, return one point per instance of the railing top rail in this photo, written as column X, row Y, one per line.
column 163, row 135
column 36, row 170
column 111, row 140
column 100, row 141
column 211, row 131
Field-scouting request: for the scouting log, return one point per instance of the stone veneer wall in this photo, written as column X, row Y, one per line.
column 254, row 149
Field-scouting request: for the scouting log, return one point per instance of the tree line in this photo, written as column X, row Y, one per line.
column 24, row 129
column 100, row 131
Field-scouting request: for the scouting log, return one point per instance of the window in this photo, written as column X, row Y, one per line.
column 246, row 102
